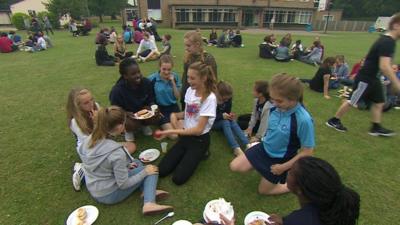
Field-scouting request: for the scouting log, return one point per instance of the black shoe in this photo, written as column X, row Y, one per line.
column 380, row 131
column 336, row 124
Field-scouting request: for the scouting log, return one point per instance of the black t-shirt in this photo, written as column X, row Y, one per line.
column 385, row 46
column 308, row 215
column 259, row 108
column 317, row 83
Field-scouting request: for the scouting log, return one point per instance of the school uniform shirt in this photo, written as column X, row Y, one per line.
column 132, row 99
column 41, row 43
column 195, row 108
column 385, row 46
column 307, row 215
column 317, row 83
column 224, row 107
column 163, row 89
column 288, row 131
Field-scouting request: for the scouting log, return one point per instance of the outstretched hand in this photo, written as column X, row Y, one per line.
column 275, row 220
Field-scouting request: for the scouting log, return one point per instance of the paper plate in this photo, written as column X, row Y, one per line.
column 145, row 116
column 212, row 210
column 149, row 155
column 92, row 214
column 255, row 215
column 182, row 222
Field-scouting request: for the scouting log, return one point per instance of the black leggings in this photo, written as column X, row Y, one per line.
column 184, row 157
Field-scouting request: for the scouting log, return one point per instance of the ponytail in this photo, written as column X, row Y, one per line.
column 206, row 71
column 105, row 121
column 321, row 185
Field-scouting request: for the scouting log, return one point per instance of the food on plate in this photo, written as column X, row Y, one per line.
column 80, row 222
column 142, row 112
column 81, row 214
column 216, row 207
column 258, row 222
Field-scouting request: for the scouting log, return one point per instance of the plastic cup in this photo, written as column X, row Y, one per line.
column 154, row 108
column 164, row 147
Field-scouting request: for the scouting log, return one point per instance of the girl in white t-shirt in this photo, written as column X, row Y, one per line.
column 199, row 115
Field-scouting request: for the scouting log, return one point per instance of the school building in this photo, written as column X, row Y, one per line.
column 286, row 14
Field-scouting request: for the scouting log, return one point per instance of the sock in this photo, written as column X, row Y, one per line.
column 376, row 125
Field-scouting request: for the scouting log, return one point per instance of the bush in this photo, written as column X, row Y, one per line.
column 17, row 20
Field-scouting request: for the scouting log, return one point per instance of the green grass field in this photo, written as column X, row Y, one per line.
column 37, row 149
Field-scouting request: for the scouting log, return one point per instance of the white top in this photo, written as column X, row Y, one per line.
column 42, row 43
column 300, row 46
column 195, row 108
column 80, row 136
column 144, row 45
column 113, row 37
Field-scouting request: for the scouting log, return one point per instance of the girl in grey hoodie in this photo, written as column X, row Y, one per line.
column 111, row 174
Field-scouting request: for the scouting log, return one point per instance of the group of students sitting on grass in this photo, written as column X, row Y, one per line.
column 147, row 49
column 280, row 128
column 284, row 51
column 35, row 42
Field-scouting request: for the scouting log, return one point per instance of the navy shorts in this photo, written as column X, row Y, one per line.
column 166, row 111
column 262, row 162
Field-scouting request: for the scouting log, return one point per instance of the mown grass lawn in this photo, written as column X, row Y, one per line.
column 37, row 148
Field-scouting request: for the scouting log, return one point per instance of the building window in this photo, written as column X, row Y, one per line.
column 288, row 16
column 229, row 15
column 153, row 4
column 325, row 17
column 205, row 15
column 182, row 15
column 197, row 15
column 316, row 3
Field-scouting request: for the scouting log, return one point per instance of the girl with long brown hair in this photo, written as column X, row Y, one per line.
column 194, row 52
column 198, row 118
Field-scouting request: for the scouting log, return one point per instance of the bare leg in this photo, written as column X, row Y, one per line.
column 376, row 112
column 240, row 164
column 267, row 188
column 168, row 126
column 343, row 109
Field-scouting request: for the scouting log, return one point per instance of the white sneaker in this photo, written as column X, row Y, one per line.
column 147, row 131
column 77, row 166
column 77, row 178
column 129, row 136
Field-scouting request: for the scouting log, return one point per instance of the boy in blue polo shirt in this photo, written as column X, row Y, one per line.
column 290, row 129
column 167, row 85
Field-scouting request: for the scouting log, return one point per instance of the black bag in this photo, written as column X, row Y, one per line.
column 243, row 121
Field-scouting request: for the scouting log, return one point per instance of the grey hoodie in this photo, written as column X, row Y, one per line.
column 106, row 167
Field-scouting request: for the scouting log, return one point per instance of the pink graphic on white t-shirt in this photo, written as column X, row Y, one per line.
column 192, row 109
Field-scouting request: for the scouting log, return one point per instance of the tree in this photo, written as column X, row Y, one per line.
column 367, row 8
column 76, row 8
column 106, row 7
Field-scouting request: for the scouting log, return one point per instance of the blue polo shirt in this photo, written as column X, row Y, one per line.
column 163, row 89
column 288, row 131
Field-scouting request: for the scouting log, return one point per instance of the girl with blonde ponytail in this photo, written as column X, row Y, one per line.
column 194, row 52
column 111, row 174
column 198, row 118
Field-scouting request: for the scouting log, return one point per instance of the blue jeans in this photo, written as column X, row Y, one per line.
column 230, row 128
column 148, row 186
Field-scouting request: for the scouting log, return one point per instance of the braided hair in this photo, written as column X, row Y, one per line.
column 320, row 183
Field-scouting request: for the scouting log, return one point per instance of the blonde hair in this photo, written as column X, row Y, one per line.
column 105, row 121
column 287, row 86
column 195, row 38
column 74, row 110
column 205, row 70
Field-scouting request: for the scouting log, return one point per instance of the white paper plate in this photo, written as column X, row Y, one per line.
column 149, row 155
column 182, row 222
column 151, row 114
column 214, row 217
column 92, row 214
column 255, row 215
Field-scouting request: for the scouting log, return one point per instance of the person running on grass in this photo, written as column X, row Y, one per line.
column 368, row 86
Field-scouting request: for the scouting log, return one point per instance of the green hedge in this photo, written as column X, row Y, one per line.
column 17, row 20
column 55, row 23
